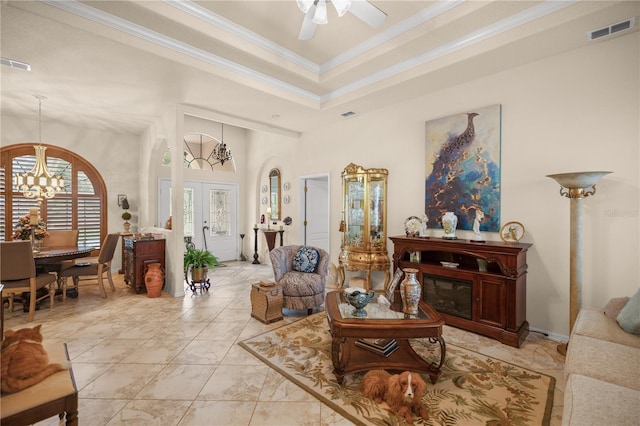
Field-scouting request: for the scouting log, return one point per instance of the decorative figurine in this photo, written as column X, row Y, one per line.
column 476, row 225
column 423, row 226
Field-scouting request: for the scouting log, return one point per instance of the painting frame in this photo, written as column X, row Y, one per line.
column 463, row 167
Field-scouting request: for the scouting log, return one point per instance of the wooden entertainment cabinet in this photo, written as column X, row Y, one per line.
column 491, row 301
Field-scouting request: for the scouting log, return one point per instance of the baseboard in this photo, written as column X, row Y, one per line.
column 550, row 335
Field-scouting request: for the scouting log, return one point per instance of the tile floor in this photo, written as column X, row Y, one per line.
column 174, row 361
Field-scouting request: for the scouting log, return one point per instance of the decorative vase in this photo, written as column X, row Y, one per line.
column 449, row 223
column 37, row 245
column 411, row 291
column 153, row 279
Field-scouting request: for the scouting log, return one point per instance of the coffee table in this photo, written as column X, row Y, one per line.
column 381, row 322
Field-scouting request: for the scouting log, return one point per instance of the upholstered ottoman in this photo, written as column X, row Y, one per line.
column 56, row 395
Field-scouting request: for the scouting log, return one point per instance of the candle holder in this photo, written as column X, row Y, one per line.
column 255, row 247
column 243, row 258
column 575, row 186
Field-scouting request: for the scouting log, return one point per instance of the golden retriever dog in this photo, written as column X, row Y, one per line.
column 402, row 392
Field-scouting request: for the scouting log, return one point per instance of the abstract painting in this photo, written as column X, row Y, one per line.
column 462, row 173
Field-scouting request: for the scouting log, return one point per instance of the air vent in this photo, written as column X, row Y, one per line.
column 15, row 64
column 348, row 114
column 627, row 24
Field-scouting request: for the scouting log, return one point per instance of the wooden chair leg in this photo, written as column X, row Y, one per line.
column 109, row 277
column 63, row 281
column 32, row 305
column 52, row 294
column 100, row 282
column 11, row 297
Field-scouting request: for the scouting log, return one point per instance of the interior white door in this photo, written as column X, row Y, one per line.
column 316, row 205
column 210, row 215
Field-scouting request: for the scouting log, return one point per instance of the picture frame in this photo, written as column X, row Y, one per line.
column 414, row 256
column 512, row 232
column 394, row 283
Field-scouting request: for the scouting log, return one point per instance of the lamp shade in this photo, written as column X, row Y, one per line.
column 578, row 179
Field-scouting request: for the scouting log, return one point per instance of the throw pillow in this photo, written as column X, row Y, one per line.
column 306, row 259
column 629, row 317
column 615, row 305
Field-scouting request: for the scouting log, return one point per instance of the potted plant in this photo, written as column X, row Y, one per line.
column 126, row 216
column 200, row 261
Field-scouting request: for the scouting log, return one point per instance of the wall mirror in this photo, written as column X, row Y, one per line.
column 274, row 186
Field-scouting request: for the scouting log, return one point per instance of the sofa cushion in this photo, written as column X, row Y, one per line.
column 603, row 360
column 589, row 401
column 629, row 317
column 594, row 323
column 306, row 259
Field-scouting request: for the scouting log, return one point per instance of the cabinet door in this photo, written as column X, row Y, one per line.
column 377, row 213
column 490, row 301
column 354, row 197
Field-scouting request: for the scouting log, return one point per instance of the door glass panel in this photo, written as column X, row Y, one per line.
column 219, row 212
column 188, row 212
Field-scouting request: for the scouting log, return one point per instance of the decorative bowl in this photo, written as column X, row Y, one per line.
column 359, row 299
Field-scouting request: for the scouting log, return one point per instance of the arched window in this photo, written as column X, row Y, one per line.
column 81, row 205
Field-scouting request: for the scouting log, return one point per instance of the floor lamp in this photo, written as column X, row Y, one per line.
column 576, row 187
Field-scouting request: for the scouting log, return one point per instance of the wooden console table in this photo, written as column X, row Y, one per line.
column 496, row 295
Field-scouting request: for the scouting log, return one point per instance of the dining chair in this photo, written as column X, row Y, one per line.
column 94, row 270
column 57, row 239
column 61, row 238
column 18, row 275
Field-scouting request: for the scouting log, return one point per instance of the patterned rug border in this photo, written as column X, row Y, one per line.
column 339, row 409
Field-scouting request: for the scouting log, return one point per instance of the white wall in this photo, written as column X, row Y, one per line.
column 573, row 112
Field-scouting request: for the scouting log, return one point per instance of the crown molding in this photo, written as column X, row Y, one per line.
column 536, row 12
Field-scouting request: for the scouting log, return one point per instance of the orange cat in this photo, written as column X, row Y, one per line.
column 24, row 360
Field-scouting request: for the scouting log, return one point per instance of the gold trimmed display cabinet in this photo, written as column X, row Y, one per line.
column 364, row 223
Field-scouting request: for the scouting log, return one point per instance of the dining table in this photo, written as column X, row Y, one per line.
column 53, row 255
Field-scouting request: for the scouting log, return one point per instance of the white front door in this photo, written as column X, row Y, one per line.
column 210, row 215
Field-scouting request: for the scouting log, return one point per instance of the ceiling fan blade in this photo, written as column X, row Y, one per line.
column 368, row 13
column 308, row 28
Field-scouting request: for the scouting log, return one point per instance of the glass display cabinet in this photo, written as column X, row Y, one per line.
column 364, row 209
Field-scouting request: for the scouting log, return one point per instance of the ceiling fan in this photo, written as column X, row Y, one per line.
column 316, row 13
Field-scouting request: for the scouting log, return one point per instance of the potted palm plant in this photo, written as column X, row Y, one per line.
column 199, row 261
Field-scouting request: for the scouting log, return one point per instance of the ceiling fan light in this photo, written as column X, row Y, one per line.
column 320, row 17
column 304, row 5
column 342, row 6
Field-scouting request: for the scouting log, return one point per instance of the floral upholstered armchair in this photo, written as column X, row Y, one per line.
column 302, row 271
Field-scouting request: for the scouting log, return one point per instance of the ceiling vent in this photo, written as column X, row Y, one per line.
column 627, row 24
column 348, row 114
column 15, row 64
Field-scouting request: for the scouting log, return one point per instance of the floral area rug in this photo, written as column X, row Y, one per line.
column 473, row 389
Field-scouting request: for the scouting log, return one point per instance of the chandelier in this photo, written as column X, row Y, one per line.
column 320, row 14
column 39, row 183
column 220, row 152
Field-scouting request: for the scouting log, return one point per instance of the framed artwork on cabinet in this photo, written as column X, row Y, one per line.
column 394, row 283
column 462, row 167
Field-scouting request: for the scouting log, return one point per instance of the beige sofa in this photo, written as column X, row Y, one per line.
column 602, row 373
